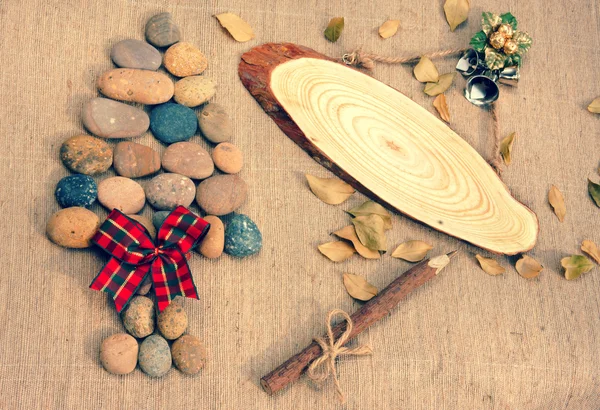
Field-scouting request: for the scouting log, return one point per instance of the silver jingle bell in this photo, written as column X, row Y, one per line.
column 469, row 63
column 481, row 90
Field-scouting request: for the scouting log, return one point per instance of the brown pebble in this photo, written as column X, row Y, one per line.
column 184, row 59
column 194, row 91
column 215, row 123
column 146, row 223
column 189, row 159
column 228, row 158
column 189, row 354
column 145, row 286
column 73, row 227
column 172, row 321
column 135, row 160
column 86, row 155
column 119, row 353
column 138, row 317
column 212, row 245
column 141, row 86
column 121, row 193
column 112, row 119
column 168, row 191
column 221, row 194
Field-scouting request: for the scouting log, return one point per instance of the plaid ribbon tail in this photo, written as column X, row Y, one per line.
column 172, row 277
column 120, row 280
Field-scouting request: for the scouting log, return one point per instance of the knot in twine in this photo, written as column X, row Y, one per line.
column 358, row 59
column 324, row 365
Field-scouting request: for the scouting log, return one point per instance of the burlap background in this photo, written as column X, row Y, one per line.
column 464, row 341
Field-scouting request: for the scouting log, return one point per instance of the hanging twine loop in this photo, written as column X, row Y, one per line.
column 324, row 365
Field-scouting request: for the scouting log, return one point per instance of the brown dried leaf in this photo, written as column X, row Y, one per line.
column 349, row 233
column 332, row 191
column 528, row 267
column 445, row 81
column 337, row 251
column 371, row 232
column 575, row 266
column 238, row 28
column 412, row 251
column 334, row 29
column 441, row 106
column 425, row 71
column 490, row 266
column 594, row 106
column 506, row 147
column 591, row 249
column 557, row 200
column 456, row 11
column 358, row 287
column 371, row 207
column 594, row 190
column 389, row 28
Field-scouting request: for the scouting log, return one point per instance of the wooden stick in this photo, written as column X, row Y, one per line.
column 371, row 312
column 387, row 146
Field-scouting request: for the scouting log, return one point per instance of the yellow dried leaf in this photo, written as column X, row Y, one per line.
column 490, row 266
column 591, row 249
column 371, row 207
column 337, row 251
column 506, row 147
column 425, row 71
column 238, row 28
column 575, row 266
column 358, row 287
column 594, row 106
column 334, row 29
column 557, row 200
column 349, row 233
column 370, row 230
column 528, row 267
column 412, row 251
column 594, row 190
column 445, row 81
column 389, row 28
column 441, row 106
column 456, row 11
column 332, row 191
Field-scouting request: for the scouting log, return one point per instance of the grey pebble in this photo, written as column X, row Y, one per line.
column 155, row 356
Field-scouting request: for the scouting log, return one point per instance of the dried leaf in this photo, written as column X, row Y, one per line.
column 238, row 28
column 490, row 266
column 456, row 11
column 557, row 200
column 591, row 249
column 441, row 106
column 528, row 267
column 506, row 147
column 334, row 29
column 575, row 265
column 371, row 207
column 594, row 106
column 371, row 232
column 358, row 287
column 349, row 233
column 389, row 28
column 332, row 191
column 594, row 190
column 337, row 251
column 412, row 251
column 425, row 71
column 445, row 81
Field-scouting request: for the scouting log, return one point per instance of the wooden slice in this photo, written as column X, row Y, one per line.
column 386, row 146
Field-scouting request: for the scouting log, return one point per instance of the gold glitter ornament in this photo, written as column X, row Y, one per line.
column 506, row 30
column 497, row 40
column 510, row 47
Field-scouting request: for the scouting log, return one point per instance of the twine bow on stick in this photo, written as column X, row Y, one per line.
column 324, row 365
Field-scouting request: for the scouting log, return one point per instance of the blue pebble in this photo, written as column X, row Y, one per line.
column 159, row 217
column 173, row 123
column 242, row 237
column 76, row 190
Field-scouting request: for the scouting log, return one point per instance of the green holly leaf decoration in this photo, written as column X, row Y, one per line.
column 479, row 41
column 508, row 18
column 523, row 40
column 515, row 59
column 494, row 59
column 489, row 22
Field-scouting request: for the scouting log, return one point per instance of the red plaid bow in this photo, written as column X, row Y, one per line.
column 134, row 254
